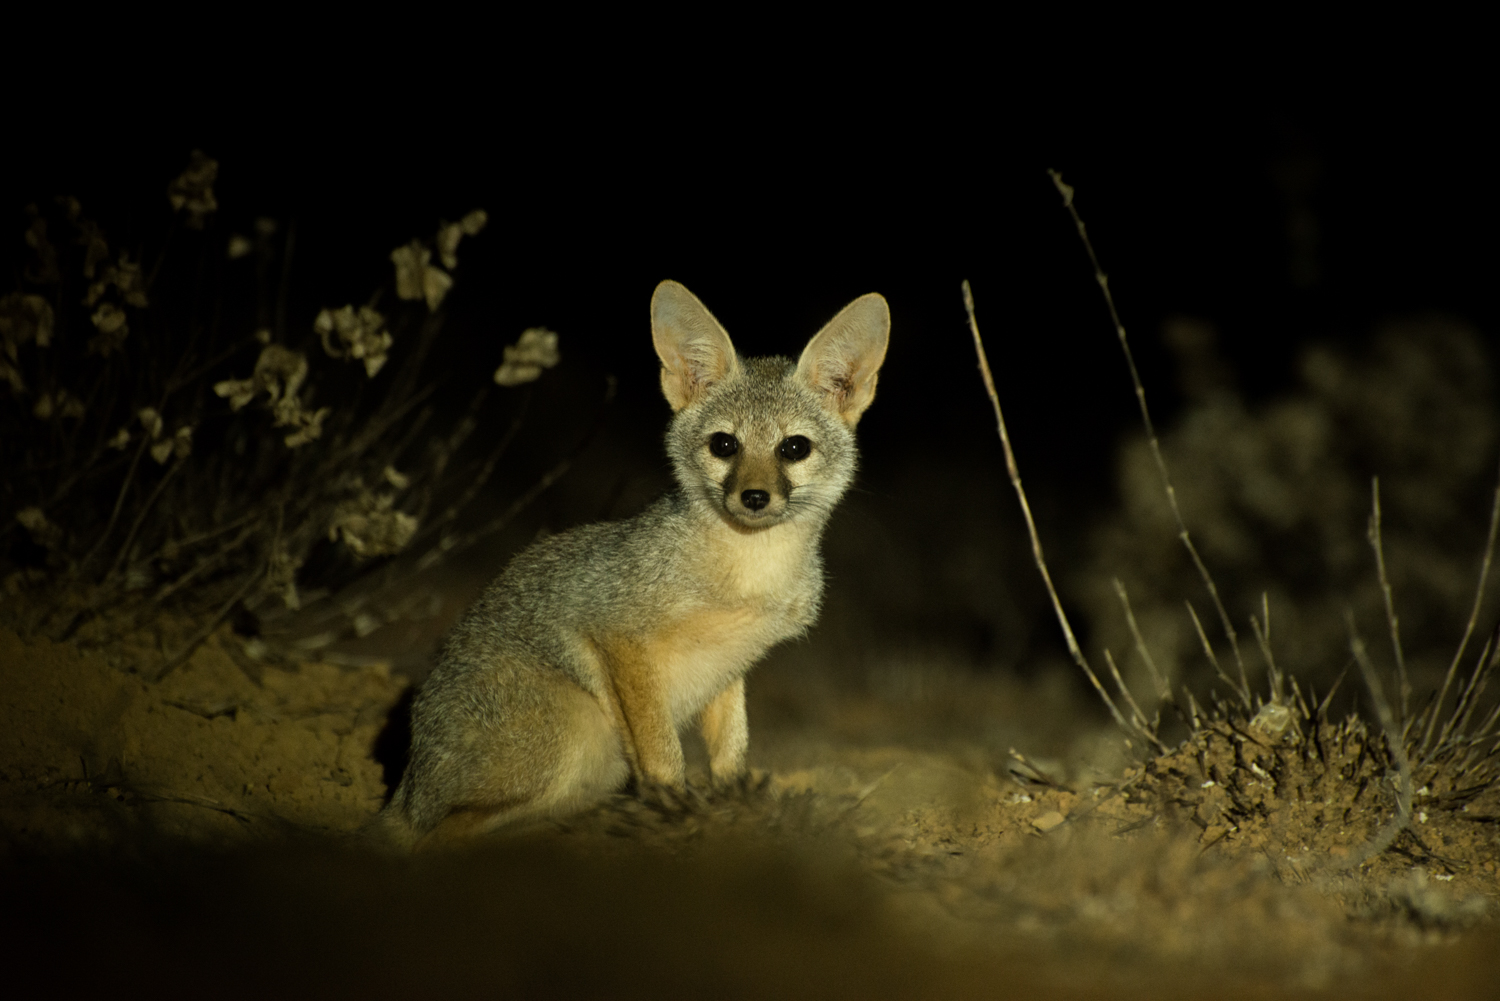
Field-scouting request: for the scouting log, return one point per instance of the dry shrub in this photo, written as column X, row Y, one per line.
column 176, row 445
column 1262, row 769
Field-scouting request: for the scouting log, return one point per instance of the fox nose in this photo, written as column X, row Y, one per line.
column 755, row 499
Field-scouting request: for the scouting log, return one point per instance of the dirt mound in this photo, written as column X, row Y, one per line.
column 88, row 751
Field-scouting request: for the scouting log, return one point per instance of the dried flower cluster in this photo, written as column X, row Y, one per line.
column 42, row 531
column 450, row 233
column 370, row 526
column 90, row 237
column 163, row 445
column 360, row 334
column 417, row 277
column 24, row 317
column 279, row 373
column 193, row 190
column 281, row 576
column 58, row 402
column 124, row 277
column 528, row 357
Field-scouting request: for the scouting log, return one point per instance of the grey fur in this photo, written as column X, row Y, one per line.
column 529, row 710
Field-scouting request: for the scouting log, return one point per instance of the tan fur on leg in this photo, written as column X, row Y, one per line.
column 726, row 731
column 643, row 706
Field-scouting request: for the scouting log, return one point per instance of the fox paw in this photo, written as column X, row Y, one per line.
column 742, row 785
column 667, row 797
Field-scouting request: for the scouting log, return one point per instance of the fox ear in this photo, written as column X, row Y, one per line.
column 843, row 359
column 694, row 349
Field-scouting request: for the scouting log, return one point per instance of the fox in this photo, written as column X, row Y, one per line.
column 574, row 673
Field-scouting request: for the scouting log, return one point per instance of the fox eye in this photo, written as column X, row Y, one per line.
column 795, row 448
column 723, row 445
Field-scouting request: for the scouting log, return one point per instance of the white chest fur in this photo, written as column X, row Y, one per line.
column 760, row 589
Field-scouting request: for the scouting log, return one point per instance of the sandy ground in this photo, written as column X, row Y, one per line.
column 195, row 835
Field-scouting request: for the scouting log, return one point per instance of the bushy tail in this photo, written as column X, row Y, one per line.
column 390, row 829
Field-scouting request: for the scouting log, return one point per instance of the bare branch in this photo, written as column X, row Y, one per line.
column 1241, row 687
column 1397, row 746
column 140, row 517
column 1163, row 690
column 1036, row 542
column 1140, row 395
column 114, row 516
column 186, row 651
column 1263, row 640
column 1463, row 644
column 1139, row 723
column 1390, row 604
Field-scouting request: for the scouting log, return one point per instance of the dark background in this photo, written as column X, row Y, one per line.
column 1280, row 219
column 1314, row 216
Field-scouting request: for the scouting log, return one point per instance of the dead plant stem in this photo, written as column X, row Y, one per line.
column 1464, row 710
column 186, row 651
column 1142, row 725
column 114, row 515
column 207, row 562
column 1213, row 658
column 1463, row 644
column 1377, row 543
column 1163, row 690
column 1036, row 542
column 453, row 544
column 1262, row 632
column 140, row 517
column 1397, row 746
column 1066, row 191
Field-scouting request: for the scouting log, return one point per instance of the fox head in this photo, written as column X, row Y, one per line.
column 765, row 440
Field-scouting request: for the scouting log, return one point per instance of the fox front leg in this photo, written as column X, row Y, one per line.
column 644, row 720
column 726, row 731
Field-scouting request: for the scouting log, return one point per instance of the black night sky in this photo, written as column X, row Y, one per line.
column 1276, row 220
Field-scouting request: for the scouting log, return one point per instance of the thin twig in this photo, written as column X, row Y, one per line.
column 1193, row 709
column 114, row 515
column 140, row 517
column 1163, row 690
column 1463, row 644
column 1297, row 697
column 206, row 562
column 1323, row 706
column 486, row 470
column 1263, row 640
column 1390, row 603
column 212, row 533
column 378, row 426
column 1458, row 708
column 1462, row 712
column 208, row 366
column 453, row 544
column 186, row 651
column 1036, row 542
column 1484, row 728
column 1138, row 720
column 1394, row 743
column 1239, row 689
column 1066, row 191
column 188, row 799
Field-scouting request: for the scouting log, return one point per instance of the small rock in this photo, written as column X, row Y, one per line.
column 1048, row 820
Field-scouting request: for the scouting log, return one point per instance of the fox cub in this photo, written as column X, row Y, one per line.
column 577, row 668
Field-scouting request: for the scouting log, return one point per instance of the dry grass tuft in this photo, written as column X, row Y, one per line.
column 1272, row 773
